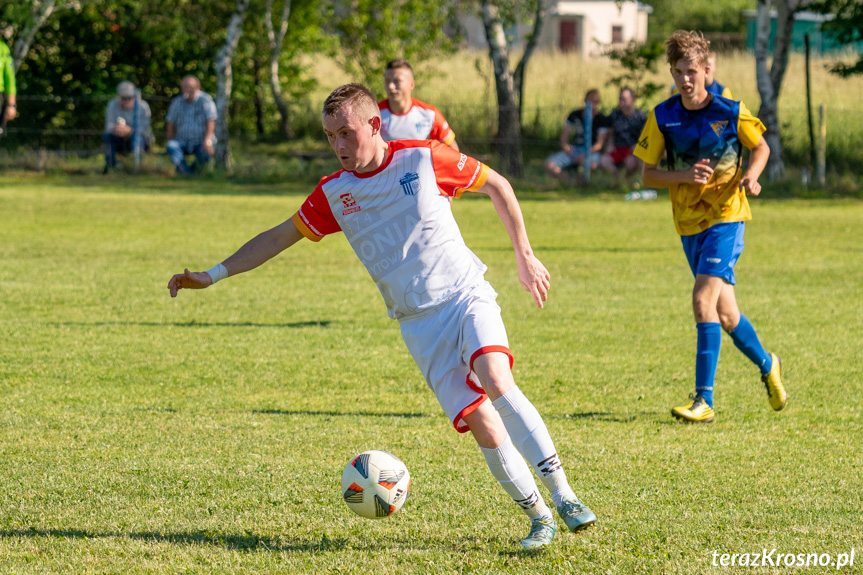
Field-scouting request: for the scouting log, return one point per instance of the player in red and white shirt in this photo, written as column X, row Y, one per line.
column 391, row 200
column 406, row 118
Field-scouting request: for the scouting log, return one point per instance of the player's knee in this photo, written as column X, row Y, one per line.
column 489, row 436
column 703, row 307
column 494, row 373
column 728, row 320
column 486, row 426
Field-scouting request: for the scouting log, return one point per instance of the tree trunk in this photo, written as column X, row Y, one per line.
column 40, row 13
column 276, row 41
column 518, row 76
column 259, row 104
column 225, row 80
column 508, row 140
column 770, row 82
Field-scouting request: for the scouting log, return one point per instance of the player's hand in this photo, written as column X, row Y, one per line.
column 11, row 112
column 121, row 130
column 210, row 149
column 189, row 280
column 752, row 187
column 534, row 278
column 700, row 173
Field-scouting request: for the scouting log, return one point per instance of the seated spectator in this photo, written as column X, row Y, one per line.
column 572, row 140
column 190, row 124
column 127, row 124
column 626, row 121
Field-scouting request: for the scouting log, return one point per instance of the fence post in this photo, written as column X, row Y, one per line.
column 588, row 139
column 821, row 169
column 809, row 104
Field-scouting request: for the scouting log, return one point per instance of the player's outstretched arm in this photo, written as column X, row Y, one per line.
column 255, row 252
column 531, row 273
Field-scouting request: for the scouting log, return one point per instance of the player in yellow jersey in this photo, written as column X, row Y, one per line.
column 703, row 134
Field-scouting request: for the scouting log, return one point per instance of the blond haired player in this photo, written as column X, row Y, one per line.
column 710, row 82
column 391, row 200
column 406, row 118
column 703, row 135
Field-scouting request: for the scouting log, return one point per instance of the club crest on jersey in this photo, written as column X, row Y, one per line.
column 410, row 183
column 349, row 204
column 718, row 127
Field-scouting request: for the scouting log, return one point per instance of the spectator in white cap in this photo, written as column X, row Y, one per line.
column 127, row 124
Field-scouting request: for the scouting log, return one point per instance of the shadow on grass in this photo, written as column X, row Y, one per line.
column 339, row 413
column 247, row 542
column 194, row 323
column 602, row 416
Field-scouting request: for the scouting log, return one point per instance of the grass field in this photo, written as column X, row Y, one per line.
column 207, row 434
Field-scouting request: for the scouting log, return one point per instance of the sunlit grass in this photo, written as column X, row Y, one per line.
column 207, row 434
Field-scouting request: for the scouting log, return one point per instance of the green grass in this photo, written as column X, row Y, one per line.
column 207, row 434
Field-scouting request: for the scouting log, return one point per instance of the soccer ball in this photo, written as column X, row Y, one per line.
column 375, row 484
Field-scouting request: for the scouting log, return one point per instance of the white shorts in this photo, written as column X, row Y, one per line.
column 445, row 343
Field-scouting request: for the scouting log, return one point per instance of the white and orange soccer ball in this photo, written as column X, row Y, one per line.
column 375, row 484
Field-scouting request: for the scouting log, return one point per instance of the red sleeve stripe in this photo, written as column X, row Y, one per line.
column 478, row 180
column 306, row 227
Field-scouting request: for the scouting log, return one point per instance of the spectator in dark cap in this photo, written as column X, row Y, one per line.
column 127, row 124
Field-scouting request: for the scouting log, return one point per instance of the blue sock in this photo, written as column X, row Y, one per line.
column 746, row 340
column 709, row 342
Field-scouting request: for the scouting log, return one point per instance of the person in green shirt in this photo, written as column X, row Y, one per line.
column 8, row 106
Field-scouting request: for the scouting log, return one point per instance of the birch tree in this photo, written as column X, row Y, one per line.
column 224, row 83
column 770, row 81
column 509, row 86
column 276, row 39
column 40, row 12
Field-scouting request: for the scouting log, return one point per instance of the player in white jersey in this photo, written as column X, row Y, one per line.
column 391, row 200
column 406, row 118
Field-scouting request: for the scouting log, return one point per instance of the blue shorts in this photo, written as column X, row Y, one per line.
column 714, row 251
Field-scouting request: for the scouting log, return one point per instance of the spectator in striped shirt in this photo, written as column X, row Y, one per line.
column 190, row 124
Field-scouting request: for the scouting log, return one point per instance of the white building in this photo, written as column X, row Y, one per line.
column 584, row 26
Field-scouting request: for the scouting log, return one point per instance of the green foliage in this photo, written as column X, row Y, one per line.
column 371, row 33
column 637, row 61
column 846, row 27
column 704, row 15
column 207, row 434
column 79, row 57
column 304, row 37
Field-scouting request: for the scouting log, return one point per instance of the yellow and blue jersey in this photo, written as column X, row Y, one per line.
column 716, row 132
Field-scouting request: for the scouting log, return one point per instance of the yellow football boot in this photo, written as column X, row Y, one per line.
column 696, row 412
column 773, row 384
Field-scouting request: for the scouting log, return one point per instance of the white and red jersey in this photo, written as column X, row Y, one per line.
column 399, row 222
column 422, row 122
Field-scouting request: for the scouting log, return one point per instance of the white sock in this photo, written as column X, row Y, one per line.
column 530, row 435
column 513, row 474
